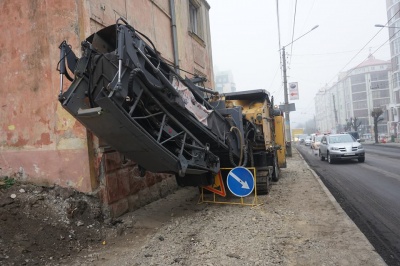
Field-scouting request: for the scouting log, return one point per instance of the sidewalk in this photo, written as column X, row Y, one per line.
column 298, row 223
column 391, row 144
column 346, row 235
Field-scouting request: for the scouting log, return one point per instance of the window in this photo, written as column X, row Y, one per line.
column 380, row 94
column 361, row 113
column 358, row 79
column 380, row 102
column 396, row 46
column 360, row 105
column 358, row 88
column 359, row 96
column 395, row 63
column 379, row 85
column 379, row 75
column 396, row 80
column 195, row 18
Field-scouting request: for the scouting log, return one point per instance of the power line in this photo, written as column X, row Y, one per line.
column 365, row 46
column 308, row 15
column 279, row 35
column 294, row 23
column 279, row 27
column 350, row 71
column 333, row 53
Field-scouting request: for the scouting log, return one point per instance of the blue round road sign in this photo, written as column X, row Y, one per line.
column 240, row 181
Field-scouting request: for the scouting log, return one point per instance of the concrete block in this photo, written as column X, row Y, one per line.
column 167, row 186
column 150, row 179
column 112, row 161
column 118, row 208
column 133, row 202
column 154, row 192
column 143, row 196
column 136, row 184
column 117, row 185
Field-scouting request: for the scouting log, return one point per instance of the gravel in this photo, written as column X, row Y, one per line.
column 298, row 223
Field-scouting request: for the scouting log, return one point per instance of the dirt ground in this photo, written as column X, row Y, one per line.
column 298, row 223
column 40, row 226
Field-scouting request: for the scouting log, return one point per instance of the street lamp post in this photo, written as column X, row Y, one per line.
column 287, row 119
column 384, row 26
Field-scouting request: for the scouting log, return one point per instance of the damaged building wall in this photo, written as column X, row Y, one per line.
column 39, row 141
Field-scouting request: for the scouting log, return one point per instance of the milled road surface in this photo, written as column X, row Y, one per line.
column 369, row 193
column 299, row 223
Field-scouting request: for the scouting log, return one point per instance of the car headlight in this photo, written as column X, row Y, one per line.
column 360, row 147
column 334, row 148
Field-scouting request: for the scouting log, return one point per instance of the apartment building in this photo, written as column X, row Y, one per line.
column 356, row 93
column 393, row 26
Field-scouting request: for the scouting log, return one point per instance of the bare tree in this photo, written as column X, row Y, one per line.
column 376, row 113
column 352, row 123
column 356, row 123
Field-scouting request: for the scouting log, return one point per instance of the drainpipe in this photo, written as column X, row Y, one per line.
column 174, row 34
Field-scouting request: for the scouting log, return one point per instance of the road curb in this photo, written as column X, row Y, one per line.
column 325, row 189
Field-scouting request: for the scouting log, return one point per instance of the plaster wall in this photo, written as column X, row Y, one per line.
column 39, row 141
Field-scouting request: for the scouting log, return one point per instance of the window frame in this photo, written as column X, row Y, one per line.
column 196, row 26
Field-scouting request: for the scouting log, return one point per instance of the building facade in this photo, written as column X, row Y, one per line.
column 393, row 109
column 39, row 141
column 353, row 97
column 224, row 82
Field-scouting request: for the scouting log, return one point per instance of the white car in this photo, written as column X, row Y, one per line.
column 341, row 147
column 316, row 142
column 307, row 141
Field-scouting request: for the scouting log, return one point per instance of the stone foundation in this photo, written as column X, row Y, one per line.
column 123, row 189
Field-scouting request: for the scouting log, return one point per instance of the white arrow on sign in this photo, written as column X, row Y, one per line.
column 243, row 183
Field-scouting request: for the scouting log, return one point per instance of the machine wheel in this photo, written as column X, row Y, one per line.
column 276, row 171
column 329, row 158
column 321, row 157
column 361, row 159
column 263, row 183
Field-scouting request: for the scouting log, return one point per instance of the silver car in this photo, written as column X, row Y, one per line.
column 340, row 147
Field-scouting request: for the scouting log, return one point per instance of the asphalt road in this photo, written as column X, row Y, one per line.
column 368, row 192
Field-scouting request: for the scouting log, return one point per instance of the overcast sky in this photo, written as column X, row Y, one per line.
column 245, row 40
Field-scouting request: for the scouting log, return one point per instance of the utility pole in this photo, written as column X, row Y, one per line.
column 287, row 119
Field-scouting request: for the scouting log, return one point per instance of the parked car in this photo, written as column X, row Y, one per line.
column 316, row 142
column 340, row 147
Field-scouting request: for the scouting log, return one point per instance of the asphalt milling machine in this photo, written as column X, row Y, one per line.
column 128, row 96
